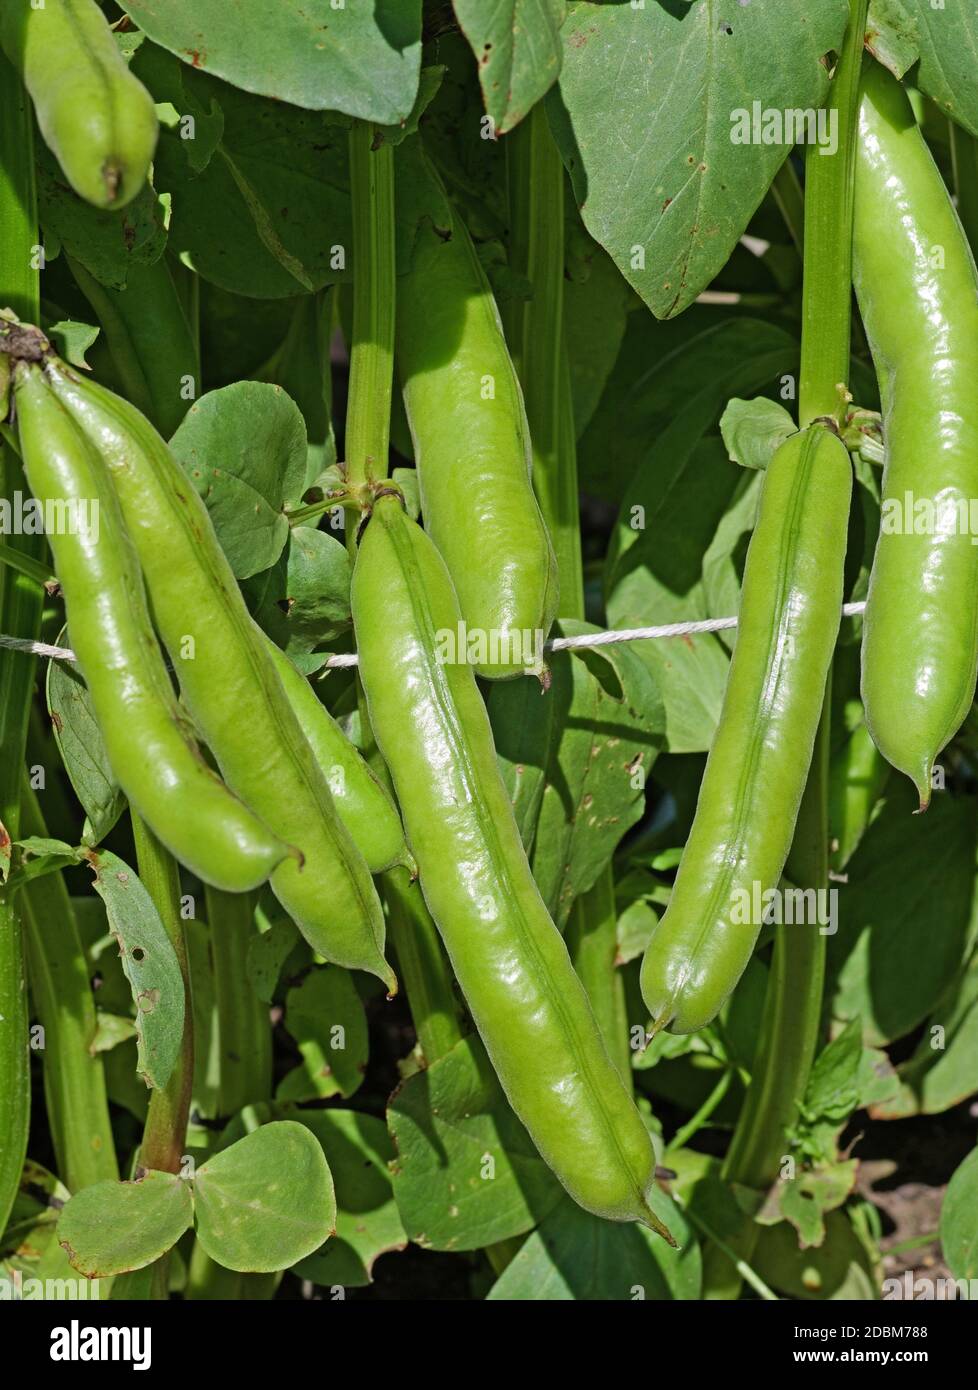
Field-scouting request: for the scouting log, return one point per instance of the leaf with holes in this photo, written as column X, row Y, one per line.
column 661, row 178
column 150, row 963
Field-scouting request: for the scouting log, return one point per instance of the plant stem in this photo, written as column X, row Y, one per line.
column 21, row 599
column 243, row 1026
column 420, row 957
column 827, row 292
column 372, row 345
column 537, row 248
column 964, row 161
column 422, row 966
column 74, row 1077
column 25, row 564
column 169, row 1108
column 682, row 1136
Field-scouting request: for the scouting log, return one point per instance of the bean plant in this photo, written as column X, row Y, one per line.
column 488, row 593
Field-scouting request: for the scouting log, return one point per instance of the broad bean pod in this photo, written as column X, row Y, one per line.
column 228, row 680
column 471, row 445
column 512, row 965
column 790, row 612
column 918, row 295
column 361, row 801
column 146, row 737
column 96, row 117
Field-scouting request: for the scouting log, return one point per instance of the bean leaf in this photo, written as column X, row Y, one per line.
column 82, row 748
column 267, row 1201
column 112, row 1227
column 150, row 964
column 467, row 1173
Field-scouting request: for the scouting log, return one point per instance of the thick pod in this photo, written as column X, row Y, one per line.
column 790, row 610
column 98, row 120
column 150, row 751
column 471, row 445
column 228, row 679
column 920, row 309
column 510, row 960
column 362, row 802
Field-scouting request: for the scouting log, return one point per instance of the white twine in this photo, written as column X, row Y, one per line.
column 557, row 644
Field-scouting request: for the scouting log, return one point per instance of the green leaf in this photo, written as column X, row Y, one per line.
column 360, row 59
column 753, row 431
column 522, row 718
column 29, row 1246
column 944, row 38
column 325, row 1016
column 596, row 303
column 244, row 449
column 608, row 726
column 268, row 953
column 887, row 918
column 517, row 47
column 840, row 1268
column 466, row 1173
column 112, row 1227
column 304, row 600
column 269, row 215
column 358, row 1150
column 267, row 1201
column 672, row 193
column 105, row 243
column 943, row 1070
column 150, row 963
column 576, row 1256
column 959, row 1220
column 72, row 339
column 82, row 749
column 804, row 1200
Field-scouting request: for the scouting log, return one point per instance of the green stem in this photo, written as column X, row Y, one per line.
column 421, row 961
column 244, row 1030
column 74, row 1077
column 827, row 293
column 21, row 599
column 245, row 1068
column 25, row 564
column 372, row 345
column 169, row 1108
column 790, row 198
column 964, row 161
column 682, row 1136
column 537, row 207
column 422, row 966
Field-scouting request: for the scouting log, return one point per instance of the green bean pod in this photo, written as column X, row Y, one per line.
column 790, row 611
column 918, row 295
column 472, row 448
column 96, row 117
column 361, row 801
column 149, row 749
column 228, row 680
column 510, row 960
